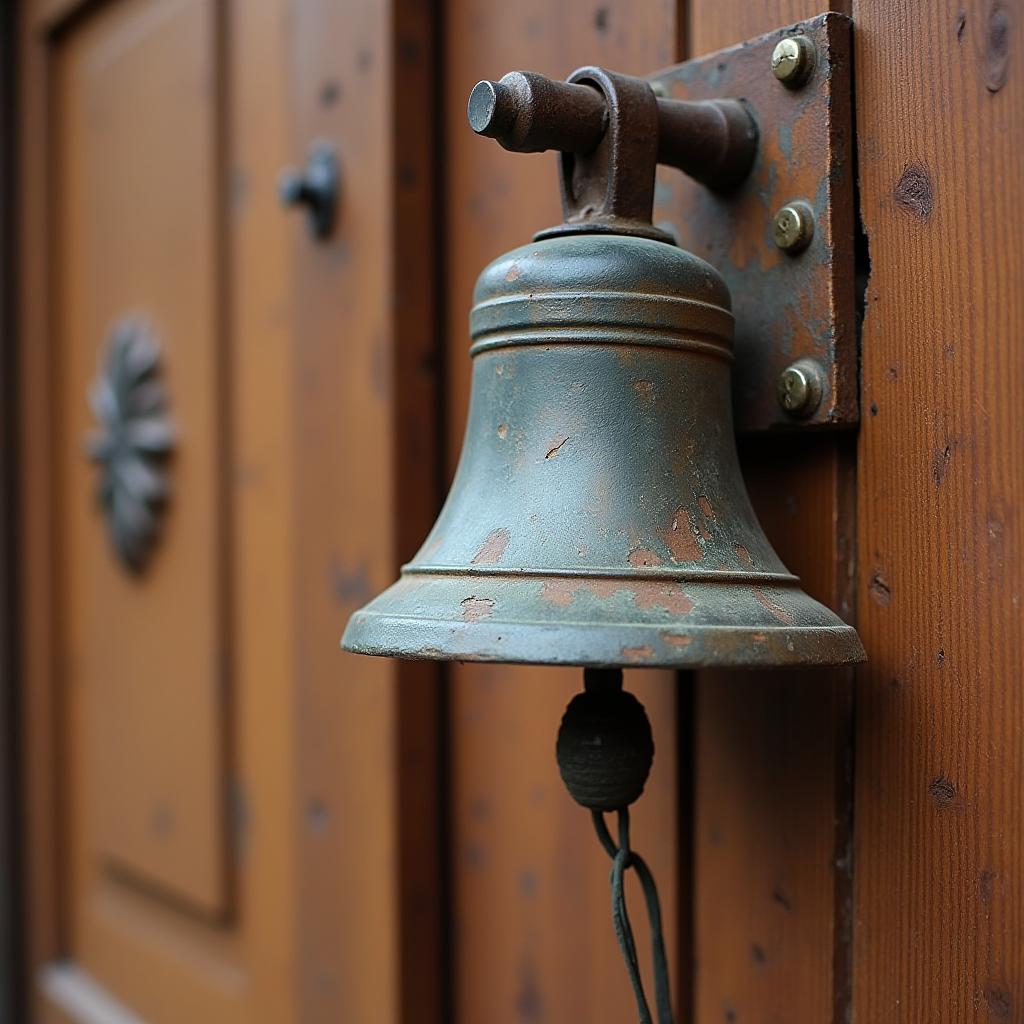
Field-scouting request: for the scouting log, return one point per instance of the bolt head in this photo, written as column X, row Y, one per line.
column 793, row 227
column 793, row 60
column 800, row 387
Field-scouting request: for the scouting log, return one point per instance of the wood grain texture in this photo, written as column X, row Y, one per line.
column 772, row 869
column 137, row 175
column 532, row 930
column 772, row 800
column 262, row 417
column 43, row 913
column 364, row 495
column 11, row 989
column 939, row 930
column 330, row 431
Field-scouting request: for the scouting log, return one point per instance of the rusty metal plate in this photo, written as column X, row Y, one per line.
column 787, row 307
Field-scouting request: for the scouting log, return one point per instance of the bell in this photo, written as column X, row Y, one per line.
column 598, row 515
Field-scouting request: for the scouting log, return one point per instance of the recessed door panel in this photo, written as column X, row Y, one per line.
column 138, row 312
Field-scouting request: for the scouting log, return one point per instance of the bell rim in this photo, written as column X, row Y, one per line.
column 654, row 574
column 603, row 645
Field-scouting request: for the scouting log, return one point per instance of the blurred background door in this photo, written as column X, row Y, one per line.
column 226, row 819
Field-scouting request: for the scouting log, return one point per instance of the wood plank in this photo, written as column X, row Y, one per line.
column 261, row 292
column 44, row 890
column 321, row 750
column 11, row 988
column 940, row 709
column 137, row 176
column 532, row 935
column 772, row 870
column 364, row 493
column 772, row 802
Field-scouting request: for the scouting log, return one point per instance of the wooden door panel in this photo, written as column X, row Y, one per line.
column 136, row 185
column 199, row 755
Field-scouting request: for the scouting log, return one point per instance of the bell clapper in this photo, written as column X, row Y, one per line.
column 605, row 750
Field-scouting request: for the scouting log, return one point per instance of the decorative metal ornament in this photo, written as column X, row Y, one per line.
column 598, row 515
column 133, row 441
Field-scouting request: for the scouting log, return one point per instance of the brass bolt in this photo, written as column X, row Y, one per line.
column 793, row 61
column 793, row 227
column 800, row 387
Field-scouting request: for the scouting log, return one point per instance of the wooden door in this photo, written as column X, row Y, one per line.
column 221, row 823
column 227, row 819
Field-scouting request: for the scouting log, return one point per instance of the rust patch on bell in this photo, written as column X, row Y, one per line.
column 514, row 273
column 759, row 637
column 493, row 548
column 556, row 443
column 638, row 654
column 677, row 639
column 643, row 556
column 476, row 608
column 772, row 608
column 655, row 594
column 645, row 389
column 502, row 430
column 680, row 539
column 744, row 554
column 558, row 592
column 563, row 592
column 646, row 594
column 705, row 507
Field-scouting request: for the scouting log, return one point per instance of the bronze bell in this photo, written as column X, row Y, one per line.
column 598, row 516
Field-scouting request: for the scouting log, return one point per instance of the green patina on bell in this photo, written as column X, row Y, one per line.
column 598, row 515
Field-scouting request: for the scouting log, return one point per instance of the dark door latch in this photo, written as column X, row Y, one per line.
column 316, row 188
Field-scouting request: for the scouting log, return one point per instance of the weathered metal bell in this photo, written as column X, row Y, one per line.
column 598, row 516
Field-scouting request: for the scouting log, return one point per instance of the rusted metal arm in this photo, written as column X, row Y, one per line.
column 529, row 113
column 713, row 141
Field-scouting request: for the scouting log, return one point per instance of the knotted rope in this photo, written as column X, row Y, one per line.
column 605, row 751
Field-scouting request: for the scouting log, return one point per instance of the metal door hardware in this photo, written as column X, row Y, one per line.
column 133, row 440
column 315, row 188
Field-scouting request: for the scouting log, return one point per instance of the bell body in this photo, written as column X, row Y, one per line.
column 598, row 516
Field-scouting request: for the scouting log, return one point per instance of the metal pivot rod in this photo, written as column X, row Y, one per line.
column 713, row 141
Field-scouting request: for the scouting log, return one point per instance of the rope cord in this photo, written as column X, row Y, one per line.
column 622, row 859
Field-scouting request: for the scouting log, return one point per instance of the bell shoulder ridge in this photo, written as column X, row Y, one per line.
column 601, row 263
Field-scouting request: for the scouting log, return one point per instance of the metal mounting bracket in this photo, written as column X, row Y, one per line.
column 792, row 281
